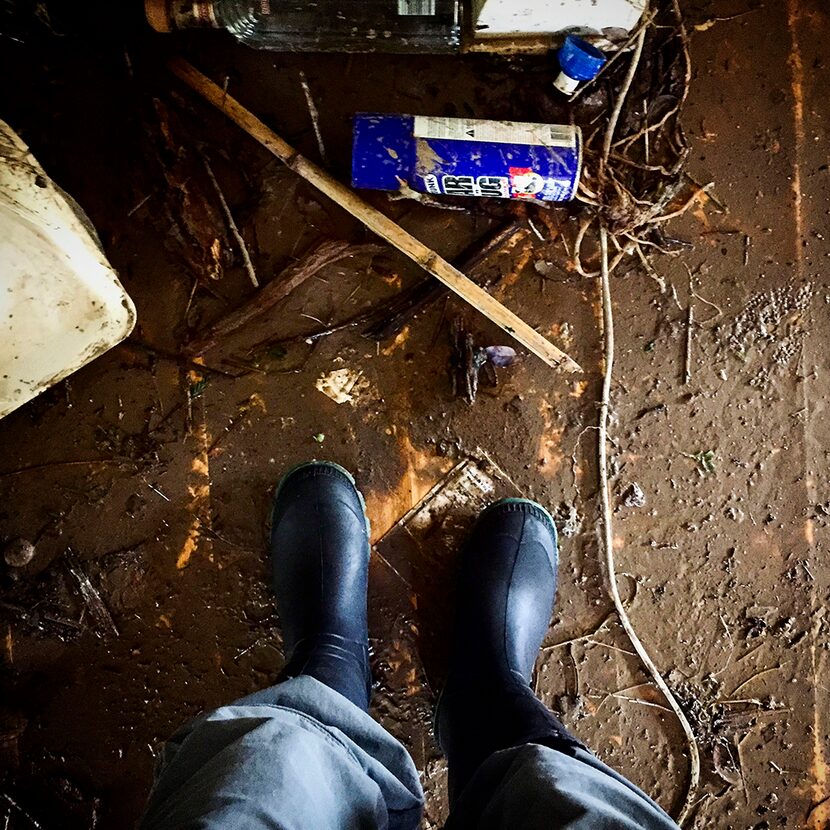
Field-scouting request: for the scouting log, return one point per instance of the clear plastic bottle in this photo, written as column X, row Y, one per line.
column 408, row 26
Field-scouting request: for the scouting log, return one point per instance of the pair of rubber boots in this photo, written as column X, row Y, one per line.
column 320, row 554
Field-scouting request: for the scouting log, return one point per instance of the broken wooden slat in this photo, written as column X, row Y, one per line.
column 376, row 221
column 264, row 300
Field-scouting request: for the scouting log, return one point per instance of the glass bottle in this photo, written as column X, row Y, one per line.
column 407, row 26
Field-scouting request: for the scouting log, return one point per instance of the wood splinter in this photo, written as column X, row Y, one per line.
column 376, row 221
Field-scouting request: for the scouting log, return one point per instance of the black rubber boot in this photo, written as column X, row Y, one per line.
column 320, row 556
column 506, row 589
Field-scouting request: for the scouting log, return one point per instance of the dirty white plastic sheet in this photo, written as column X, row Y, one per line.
column 61, row 304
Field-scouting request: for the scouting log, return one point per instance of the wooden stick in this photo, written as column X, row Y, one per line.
column 376, row 221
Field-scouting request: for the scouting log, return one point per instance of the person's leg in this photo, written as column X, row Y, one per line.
column 511, row 761
column 303, row 753
column 320, row 560
column 506, row 587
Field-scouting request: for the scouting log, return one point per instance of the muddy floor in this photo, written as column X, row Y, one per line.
column 150, row 475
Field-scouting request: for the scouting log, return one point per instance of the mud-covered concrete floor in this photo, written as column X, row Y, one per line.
column 157, row 476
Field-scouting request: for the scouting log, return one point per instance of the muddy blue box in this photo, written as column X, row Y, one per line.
column 466, row 156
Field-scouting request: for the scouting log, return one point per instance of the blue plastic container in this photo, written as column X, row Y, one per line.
column 466, row 157
column 578, row 61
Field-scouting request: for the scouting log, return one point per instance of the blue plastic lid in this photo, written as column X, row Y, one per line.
column 579, row 60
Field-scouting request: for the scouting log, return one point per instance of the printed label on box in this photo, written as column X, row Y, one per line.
column 497, row 132
column 494, row 187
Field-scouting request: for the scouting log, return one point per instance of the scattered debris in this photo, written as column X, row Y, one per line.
column 192, row 223
column 105, row 625
column 374, row 220
column 633, row 495
column 319, row 437
column 657, row 409
column 18, row 552
column 254, row 401
column 468, row 359
column 343, row 385
column 120, row 578
column 13, row 725
column 237, row 235
column 196, row 388
column 706, row 460
column 734, row 513
column 568, row 519
column 719, row 721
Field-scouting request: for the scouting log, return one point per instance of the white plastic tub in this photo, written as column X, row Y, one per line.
column 494, row 18
column 61, row 304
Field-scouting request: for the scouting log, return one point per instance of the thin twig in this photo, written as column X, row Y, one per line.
column 640, row 701
column 608, row 532
column 140, row 204
column 535, row 229
column 755, row 677
column 315, row 118
column 684, row 207
column 690, row 323
column 580, row 638
column 602, row 459
column 621, row 96
column 717, row 308
column 243, row 248
column 96, row 462
column 609, row 646
column 684, row 40
column 649, row 269
column 713, row 199
column 157, row 491
column 12, row 803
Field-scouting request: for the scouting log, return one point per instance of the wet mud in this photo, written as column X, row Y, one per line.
column 145, row 479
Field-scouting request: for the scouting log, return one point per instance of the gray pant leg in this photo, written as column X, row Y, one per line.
column 295, row 756
column 533, row 787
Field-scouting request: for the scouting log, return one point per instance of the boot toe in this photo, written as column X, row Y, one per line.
column 524, row 521
column 316, row 486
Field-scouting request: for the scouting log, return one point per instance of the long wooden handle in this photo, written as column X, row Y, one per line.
column 376, row 221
